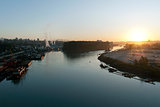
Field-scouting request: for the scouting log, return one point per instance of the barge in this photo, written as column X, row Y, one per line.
column 15, row 73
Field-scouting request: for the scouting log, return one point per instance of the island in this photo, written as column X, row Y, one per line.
column 86, row 46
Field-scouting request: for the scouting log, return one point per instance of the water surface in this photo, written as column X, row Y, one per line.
column 62, row 80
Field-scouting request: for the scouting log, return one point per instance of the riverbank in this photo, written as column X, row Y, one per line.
column 14, row 66
column 142, row 71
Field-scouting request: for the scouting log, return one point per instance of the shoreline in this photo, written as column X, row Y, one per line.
column 143, row 71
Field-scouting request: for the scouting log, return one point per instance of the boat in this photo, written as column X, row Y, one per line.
column 29, row 63
column 18, row 71
column 13, row 73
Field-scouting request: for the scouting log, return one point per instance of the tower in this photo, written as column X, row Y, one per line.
column 46, row 41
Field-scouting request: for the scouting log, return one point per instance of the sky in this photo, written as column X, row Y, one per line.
column 112, row 20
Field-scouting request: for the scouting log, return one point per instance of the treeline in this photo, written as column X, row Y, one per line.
column 155, row 46
column 85, row 46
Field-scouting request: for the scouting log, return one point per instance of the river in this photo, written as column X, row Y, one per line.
column 61, row 80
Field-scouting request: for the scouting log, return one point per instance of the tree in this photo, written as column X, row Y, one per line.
column 143, row 60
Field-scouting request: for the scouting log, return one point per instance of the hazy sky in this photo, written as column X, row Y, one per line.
column 79, row 19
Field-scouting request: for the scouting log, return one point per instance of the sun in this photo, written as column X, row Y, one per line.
column 138, row 36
